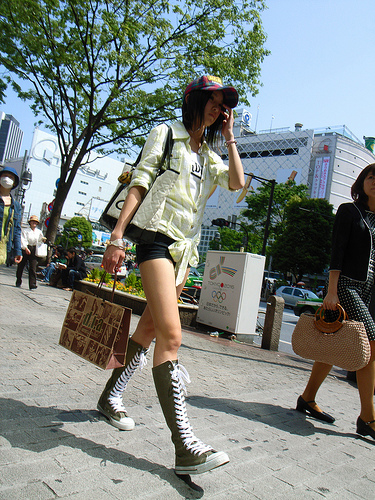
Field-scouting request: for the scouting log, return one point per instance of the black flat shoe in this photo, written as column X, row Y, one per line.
column 364, row 429
column 303, row 406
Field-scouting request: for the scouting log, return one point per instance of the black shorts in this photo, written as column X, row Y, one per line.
column 156, row 250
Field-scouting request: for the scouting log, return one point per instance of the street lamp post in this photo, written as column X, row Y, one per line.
column 262, row 180
column 268, row 220
column 225, row 223
column 26, row 179
column 69, row 231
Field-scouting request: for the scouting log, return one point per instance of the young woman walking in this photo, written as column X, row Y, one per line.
column 164, row 265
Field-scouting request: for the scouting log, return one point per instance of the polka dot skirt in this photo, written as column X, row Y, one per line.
column 355, row 296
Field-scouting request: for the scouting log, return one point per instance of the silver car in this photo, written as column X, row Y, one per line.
column 292, row 294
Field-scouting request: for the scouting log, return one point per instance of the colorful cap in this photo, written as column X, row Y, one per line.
column 214, row 83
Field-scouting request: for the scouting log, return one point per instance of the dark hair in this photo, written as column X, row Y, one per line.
column 60, row 250
column 72, row 250
column 193, row 115
column 357, row 191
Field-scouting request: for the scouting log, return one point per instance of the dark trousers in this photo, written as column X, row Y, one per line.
column 32, row 259
column 68, row 277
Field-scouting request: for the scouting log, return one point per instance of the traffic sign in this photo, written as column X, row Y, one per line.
column 46, row 222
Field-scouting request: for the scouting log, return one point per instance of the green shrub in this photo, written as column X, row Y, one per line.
column 134, row 281
column 97, row 273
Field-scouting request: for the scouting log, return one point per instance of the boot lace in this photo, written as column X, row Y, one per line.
column 179, row 376
column 115, row 397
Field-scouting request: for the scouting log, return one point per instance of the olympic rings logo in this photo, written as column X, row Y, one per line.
column 218, row 296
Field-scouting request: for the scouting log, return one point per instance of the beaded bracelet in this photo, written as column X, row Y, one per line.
column 232, row 141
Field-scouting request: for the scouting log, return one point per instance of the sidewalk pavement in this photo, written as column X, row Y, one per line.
column 54, row 444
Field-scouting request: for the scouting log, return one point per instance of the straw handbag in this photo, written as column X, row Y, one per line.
column 342, row 343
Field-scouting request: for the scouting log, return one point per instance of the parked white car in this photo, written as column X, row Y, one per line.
column 292, row 294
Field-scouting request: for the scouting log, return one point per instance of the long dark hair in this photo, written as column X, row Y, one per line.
column 193, row 115
column 357, row 191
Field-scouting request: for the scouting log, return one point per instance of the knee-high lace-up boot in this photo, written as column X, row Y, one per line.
column 192, row 455
column 110, row 403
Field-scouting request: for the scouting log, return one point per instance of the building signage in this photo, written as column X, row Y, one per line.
column 323, row 178
column 96, row 209
column 319, row 184
column 316, row 179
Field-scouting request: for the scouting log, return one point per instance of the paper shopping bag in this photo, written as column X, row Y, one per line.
column 96, row 330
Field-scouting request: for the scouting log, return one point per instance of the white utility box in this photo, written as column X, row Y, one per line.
column 231, row 289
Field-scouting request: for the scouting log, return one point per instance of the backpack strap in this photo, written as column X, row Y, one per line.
column 125, row 177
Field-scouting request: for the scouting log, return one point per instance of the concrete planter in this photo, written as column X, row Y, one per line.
column 188, row 313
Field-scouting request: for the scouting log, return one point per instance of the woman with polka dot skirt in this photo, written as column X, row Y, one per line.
column 351, row 283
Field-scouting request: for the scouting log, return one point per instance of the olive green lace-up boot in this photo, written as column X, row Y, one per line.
column 192, row 455
column 110, row 403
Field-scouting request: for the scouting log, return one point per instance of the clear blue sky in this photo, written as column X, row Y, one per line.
column 322, row 68
column 320, row 73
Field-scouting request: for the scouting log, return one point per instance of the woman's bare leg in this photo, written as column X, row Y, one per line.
column 318, row 374
column 144, row 333
column 366, row 383
column 158, row 279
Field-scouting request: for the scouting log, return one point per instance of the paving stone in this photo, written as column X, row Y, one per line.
column 54, row 443
column 35, row 490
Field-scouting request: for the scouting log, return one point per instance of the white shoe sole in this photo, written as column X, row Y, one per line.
column 213, row 461
column 125, row 424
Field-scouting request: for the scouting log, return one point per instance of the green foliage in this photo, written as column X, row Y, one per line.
column 74, row 227
column 305, row 243
column 100, row 74
column 134, row 281
column 96, row 274
column 256, row 212
column 232, row 241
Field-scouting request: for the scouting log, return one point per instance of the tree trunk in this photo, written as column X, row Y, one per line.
column 68, row 172
column 62, row 191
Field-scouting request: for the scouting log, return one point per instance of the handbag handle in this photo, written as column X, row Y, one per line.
column 100, row 284
column 329, row 327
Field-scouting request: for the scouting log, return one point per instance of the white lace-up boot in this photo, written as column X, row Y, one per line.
column 192, row 455
column 110, row 403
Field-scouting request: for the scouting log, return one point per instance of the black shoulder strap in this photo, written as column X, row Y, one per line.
column 168, row 146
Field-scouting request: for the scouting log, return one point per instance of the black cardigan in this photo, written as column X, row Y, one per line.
column 351, row 242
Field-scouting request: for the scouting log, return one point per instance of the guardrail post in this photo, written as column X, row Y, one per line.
column 272, row 323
